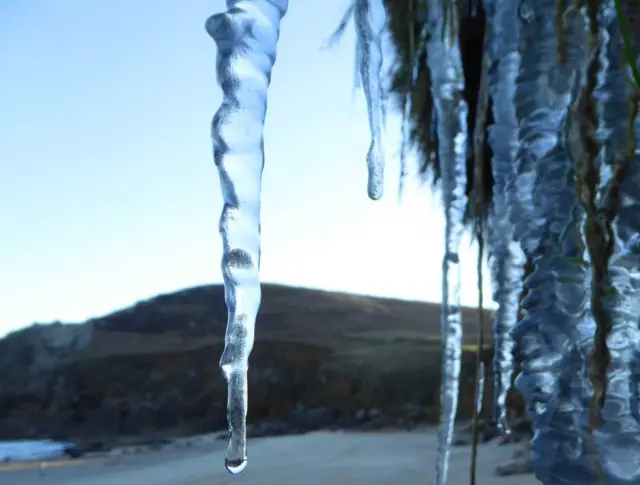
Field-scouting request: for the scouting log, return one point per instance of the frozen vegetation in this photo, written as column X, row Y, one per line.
column 565, row 200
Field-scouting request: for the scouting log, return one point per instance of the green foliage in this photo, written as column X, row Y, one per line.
column 625, row 32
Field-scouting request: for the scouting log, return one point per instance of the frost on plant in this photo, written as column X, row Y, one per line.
column 246, row 36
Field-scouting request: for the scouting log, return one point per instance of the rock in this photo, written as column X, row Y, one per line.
column 269, row 428
column 486, row 432
column 380, row 422
column 118, row 452
column 73, row 451
column 522, row 427
column 301, row 420
column 520, row 431
column 92, row 447
column 360, row 415
column 373, row 414
column 344, row 422
column 514, row 467
column 414, row 412
column 519, row 464
column 305, row 418
column 522, row 453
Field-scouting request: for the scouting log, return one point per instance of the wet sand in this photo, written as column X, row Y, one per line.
column 314, row 459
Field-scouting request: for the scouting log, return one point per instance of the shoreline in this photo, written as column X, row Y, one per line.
column 352, row 457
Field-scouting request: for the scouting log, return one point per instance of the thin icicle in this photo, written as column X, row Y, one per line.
column 370, row 19
column 246, row 36
column 447, row 88
column 480, row 391
column 507, row 268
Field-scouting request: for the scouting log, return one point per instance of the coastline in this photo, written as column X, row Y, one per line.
column 371, row 458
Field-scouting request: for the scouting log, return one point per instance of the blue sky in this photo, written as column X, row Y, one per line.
column 108, row 192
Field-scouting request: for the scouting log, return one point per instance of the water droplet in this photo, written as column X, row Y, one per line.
column 236, row 465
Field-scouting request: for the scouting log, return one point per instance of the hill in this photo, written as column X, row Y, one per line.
column 320, row 359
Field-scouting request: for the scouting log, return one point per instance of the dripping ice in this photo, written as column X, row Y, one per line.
column 447, row 86
column 246, row 36
column 507, row 257
column 370, row 20
column 620, row 434
column 547, row 221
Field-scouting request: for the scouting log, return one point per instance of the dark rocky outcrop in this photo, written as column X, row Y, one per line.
column 320, row 360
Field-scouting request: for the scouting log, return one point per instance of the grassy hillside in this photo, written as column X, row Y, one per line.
column 154, row 366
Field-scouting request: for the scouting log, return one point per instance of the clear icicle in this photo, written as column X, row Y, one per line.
column 507, row 269
column 447, row 88
column 480, row 392
column 370, row 20
column 507, row 257
column 246, row 36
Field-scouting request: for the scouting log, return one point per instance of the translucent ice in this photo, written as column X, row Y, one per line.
column 480, row 389
column 619, row 436
column 447, row 87
column 506, row 255
column 547, row 220
column 370, row 19
column 246, row 36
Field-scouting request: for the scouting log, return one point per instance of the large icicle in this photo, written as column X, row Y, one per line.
column 619, row 436
column 246, row 36
column 507, row 257
column 447, row 88
column 371, row 20
column 547, row 221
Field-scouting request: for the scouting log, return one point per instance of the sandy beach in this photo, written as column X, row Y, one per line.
column 315, row 459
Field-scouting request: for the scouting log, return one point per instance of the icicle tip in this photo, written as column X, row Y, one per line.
column 235, row 466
